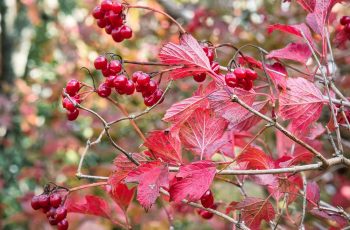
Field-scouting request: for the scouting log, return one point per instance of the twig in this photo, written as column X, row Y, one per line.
column 301, row 226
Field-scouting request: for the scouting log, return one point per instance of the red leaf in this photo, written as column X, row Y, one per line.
column 312, row 194
column 293, row 51
column 150, row 178
column 192, row 181
column 255, row 159
column 182, row 110
column 340, row 39
column 278, row 74
column 165, row 146
column 286, row 184
column 202, row 132
column 189, row 54
column 121, row 194
column 93, row 205
column 287, row 161
column 302, row 103
column 308, row 5
column 255, row 210
column 335, row 218
column 250, row 61
column 293, row 29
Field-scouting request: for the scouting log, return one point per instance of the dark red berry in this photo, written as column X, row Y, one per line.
column 150, row 88
column 51, row 212
column 215, row 67
column 103, row 90
column 101, row 23
column 55, row 200
column 101, row 62
column 248, row 84
column 347, row 28
column 129, row 87
column 205, row 214
column 108, row 29
column 115, row 19
column 120, row 82
column 110, row 81
column 107, row 5
column 72, row 115
column 67, row 104
column 126, row 32
column 35, row 203
column 116, row 35
column 199, row 77
column 62, row 225
column 251, row 74
column 207, row 199
column 240, row 73
column 52, row 221
column 143, row 80
column 61, row 213
column 158, row 95
column 136, row 75
column 345, row 20
column 97, row 13
column 231, row 80
column 115, row 66
column 44, row 201
column 117, row 7
column 46, row 209
column 72, row 87
column 106, row 72
column 211, row 55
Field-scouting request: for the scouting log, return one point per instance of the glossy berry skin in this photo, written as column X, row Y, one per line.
column 106, row 72
column 116, row 35
column 143, row 80
column 115, row 66
column 101, row 23
column 120, row 82
column 72, row 115
column 55, row 200
column 103, row 90
column 205, row 214
column 97, row 13
column 231, row 80
column 150, row 88
column 347, row 28
column 154, row 98
column 61, row 213
column 207, row 200
column 108, row 29
column 52, row 221
column 126, row 32
column 248, row 85
column 72, row 87
column 251, row 74
column 101, row 62
column 35, row 203
column 117, row 7
column 51, row 212
column 199, row 77
column 44, row 201
column 106, row 5
column 63, row 225
column 345, row 20
column 68, row 105
column 110, row 81
column 129, row 87
column 115, row 19
column 240, row 73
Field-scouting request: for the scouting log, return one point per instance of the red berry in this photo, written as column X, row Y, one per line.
column 106, row 72
column 44, row 201
column 199, row 77
column 35, row 203
column 67, row 104
column 101, row 23
column 215, row 67
column 62, row 225
column 72, row 87
column 205, row 214
column 110, row 81
column 347, row 28
column 240, row 73
column 51, row 212
column 52, row 221
column 72, row 115
column 107, row 5
column 120, row 82
column 143, row 80
column 103, row 90
column 248, row 84
column 61, row 213
column 129, row 87
column 158, row 94
column 115, row 66
column 108, row 29
column 211, row 55
column 55, row 200
column 136, row 75
column 154, row 98
column 251, row 74
column 116, row 35
column 126, row 32
column 115, row 19
column 231, row 80
column 345, row 20
column 97, row 13
column 101, row 62
column 117, row 7
column 150, row 88
column 207, row 199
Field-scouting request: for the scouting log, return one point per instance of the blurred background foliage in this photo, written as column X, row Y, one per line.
column 44, row 43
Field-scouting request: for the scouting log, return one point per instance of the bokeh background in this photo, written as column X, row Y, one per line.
column 44, row 43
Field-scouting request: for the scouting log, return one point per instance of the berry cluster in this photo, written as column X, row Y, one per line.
column 345, row 21
column 51, row 205
column 241, row 77
column 72, row 89
column 149, row 88
column 110, row 16
column 210, row 53
column 207, row 200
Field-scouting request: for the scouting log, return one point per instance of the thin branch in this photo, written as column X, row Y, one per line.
column 301, row 226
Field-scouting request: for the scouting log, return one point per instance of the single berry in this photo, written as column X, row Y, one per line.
column 136, row 75
column 108, row 29
column 101, row 23
column 143, row 80
column 51, row 212
column 158, row 94
column 103, row 90
column 97, row 13
column 129, row 87
column 101, row 62
column 211, row 55
column 107, row 5
column 110, row 81
column 61, row 213
column 72, row 87
column 116, row 35
column 106, row 72
column 240, row 73
column 52, row 221
column 117, row 7
column 199, row 77
column 72, row 115
column 207, row 199
column 115, row 19
column 347, row 28
column 248, row 85
column 345, row 20
column 206, row 215
column 120, row 82
column 251, row 74
column 115, row 66
column 55, row 200
column 231, row 80
column 67, row 104
column 44, row 201
column 35, row 203
column 150, row 88
column 62, row 225
column 126, row 32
